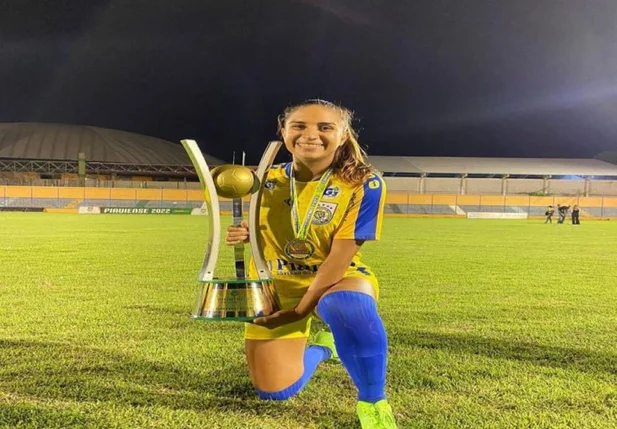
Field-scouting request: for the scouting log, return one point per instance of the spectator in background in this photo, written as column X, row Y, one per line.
column 549, row 214
column 563, row 211
column 575, row 215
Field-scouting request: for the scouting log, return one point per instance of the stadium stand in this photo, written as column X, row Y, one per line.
column 498, row 176
column 39, row 167
column 47, row 154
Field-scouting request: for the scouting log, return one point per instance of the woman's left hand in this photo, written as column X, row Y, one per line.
column 280, row 318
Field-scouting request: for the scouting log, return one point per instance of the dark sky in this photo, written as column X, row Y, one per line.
column 519, row 78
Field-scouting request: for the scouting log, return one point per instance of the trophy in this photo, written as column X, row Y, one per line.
column 239, row 298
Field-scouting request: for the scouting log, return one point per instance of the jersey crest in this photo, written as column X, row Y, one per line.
column 324, row 213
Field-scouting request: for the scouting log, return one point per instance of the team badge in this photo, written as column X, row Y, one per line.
column 331, row 192
column 324, row 213
column 373, row 184
column 299, row 249
column 269, row 184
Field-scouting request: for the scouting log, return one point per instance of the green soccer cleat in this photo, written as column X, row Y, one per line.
column 376, row 416
column 326, row 339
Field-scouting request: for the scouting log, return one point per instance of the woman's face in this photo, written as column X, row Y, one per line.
column 313, row 133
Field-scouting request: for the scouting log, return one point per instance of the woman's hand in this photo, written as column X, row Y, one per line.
column 280, row 318
column 237, row 234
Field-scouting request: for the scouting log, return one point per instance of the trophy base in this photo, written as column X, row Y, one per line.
column 235, row 300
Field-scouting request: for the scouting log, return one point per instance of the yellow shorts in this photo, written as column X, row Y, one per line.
column 290, row 291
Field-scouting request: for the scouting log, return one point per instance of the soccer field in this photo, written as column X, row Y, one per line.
column 492, row 324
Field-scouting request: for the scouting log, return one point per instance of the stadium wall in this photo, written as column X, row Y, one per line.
column 439, row 185
column 428, row 185
column 402, row 203
column 525, row 186
column 511, row 186
column 483, row 186
column 600, row 187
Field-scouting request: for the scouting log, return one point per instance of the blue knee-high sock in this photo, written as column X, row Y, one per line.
column 360, row 339
column 313, row 356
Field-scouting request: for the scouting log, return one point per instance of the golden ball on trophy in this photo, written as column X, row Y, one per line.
column 234, row 181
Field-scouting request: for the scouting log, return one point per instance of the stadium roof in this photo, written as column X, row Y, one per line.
column 608, row 156
column 65, row 142
column 493, row 166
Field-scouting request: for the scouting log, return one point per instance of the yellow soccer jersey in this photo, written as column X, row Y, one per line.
column 345, row 212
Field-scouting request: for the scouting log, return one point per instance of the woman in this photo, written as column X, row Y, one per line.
column 316, row 213
column 576, row 215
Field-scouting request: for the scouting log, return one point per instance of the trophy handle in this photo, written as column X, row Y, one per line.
column 212, row 204
column 267, row 159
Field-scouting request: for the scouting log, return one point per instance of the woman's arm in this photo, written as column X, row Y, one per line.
column 329, row 273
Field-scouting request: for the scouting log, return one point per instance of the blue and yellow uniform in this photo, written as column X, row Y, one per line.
column 350, row 212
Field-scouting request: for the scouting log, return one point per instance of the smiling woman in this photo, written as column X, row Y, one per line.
column 316, row 213
column 325, row 131
column 312, row 135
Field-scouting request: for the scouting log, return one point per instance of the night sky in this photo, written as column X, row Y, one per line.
column 517, row 78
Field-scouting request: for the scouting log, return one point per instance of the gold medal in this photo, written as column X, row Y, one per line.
column 299, row 249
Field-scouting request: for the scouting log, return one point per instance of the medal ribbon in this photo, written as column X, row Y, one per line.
column 301, row 230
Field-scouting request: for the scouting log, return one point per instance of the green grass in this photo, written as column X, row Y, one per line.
column 492, row 324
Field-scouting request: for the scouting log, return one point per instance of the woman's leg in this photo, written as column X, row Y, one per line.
column 349, row 308
column 280, row 368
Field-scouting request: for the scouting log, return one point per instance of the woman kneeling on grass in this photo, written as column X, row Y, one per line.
column 316, row 212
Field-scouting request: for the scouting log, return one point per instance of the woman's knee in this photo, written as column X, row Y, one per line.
column 277, row 382
column 275, row 365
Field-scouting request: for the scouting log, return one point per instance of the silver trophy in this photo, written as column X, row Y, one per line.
column 239, row 298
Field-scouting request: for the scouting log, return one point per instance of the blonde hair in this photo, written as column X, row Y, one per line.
column 350, row 162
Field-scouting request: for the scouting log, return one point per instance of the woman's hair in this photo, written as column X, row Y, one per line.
column 350, row 162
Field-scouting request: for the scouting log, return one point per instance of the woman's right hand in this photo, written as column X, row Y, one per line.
column 237, row 234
